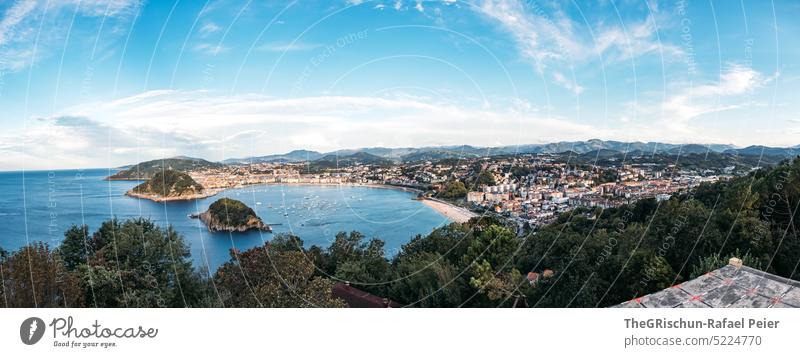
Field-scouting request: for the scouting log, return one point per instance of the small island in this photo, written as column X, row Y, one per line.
column 230, row 215
column 170, row 185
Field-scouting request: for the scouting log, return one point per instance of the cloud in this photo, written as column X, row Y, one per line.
column 549, row 38
column 675, row 116
column 694, row 101
column 26, row 37
column 288, row 47
column 567, row 83
column 637, row 39
column 209, row 28
column 210, row 49
column 537, row 36
column 198, row 123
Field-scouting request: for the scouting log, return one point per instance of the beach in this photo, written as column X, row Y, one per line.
column 454, row 213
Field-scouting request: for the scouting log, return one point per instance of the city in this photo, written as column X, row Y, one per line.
column 529, row 190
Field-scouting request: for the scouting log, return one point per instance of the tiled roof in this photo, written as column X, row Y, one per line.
column 726, row 287
column 358, row 298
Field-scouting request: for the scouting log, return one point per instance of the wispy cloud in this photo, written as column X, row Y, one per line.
column 694, row 101
column 21, row 35
column 209, row 28
column 163, row 123
column 288, row 47
column 569, row 84
column 211, row 49
column 674, row 116
column 549, row 38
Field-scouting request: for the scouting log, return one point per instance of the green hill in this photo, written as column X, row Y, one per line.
column 146, row 170
column 337, row 161
column 169, row 184
column 230, row 215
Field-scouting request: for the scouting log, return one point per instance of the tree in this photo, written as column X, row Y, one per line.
column 138, row 264
column 449, row 241
column 35, row 276
column 495, row 244
column 454, row 189
column 426, row 280
column 487, row 178
column 75, row 248
column 263, row 277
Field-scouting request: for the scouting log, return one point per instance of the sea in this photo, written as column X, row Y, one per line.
column 41, row 205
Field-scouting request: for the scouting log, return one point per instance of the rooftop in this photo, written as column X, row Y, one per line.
column 727, row 287
column 358, row 298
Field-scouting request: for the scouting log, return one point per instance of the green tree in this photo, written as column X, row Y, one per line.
column 75, row 247
column 454, row 189
column 426, row 280
column 138, row 264
column 35, row 276
column 262, row 277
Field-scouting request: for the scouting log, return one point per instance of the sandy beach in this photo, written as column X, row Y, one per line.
column 455, row 213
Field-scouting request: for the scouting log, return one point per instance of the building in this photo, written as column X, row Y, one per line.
column 731, row 286
column 358, row 298
column 475, row 197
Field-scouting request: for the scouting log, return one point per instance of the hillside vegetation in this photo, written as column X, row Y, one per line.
column 169, row 183
column 227, row 214
column 146, row 170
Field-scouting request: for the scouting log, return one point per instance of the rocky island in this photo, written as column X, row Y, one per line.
column 230, row 215
column 170, row 185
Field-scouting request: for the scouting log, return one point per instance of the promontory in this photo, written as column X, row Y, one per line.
column 230, row 215
column 170, row 185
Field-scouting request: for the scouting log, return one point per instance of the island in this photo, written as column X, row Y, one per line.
column 230, row 215
column 170, row 185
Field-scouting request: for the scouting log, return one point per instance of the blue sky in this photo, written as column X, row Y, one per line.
column 96, row 83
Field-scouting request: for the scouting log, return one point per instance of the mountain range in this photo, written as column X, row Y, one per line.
column 588, row 148
column 589, row 151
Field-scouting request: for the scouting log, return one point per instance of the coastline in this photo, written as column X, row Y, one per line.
column 347, row 184
column 449, row 210
column 214, row 191
column 156, row 198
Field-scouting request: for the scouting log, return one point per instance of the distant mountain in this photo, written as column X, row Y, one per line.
column 689, row 149
column 360, row 158
column 766, row 151
column 600, row 154
column 146, row 170
column 586, row 148
column 292, row 156
column 440, row 154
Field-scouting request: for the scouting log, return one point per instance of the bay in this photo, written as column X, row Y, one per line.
column 41, row 205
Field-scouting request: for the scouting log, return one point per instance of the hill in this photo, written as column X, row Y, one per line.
column 146, row 170
column 229, row 215
column 431, row 153
column 292, row 156
column 169, row 185
column 359, row 158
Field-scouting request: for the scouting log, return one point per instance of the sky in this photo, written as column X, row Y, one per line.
column 103, row 83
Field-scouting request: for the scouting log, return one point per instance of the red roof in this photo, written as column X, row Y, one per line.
column 358, row 298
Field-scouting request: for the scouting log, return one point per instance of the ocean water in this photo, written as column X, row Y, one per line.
column 41, row 205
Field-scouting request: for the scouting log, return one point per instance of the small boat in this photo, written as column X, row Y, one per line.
column 258, row 203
